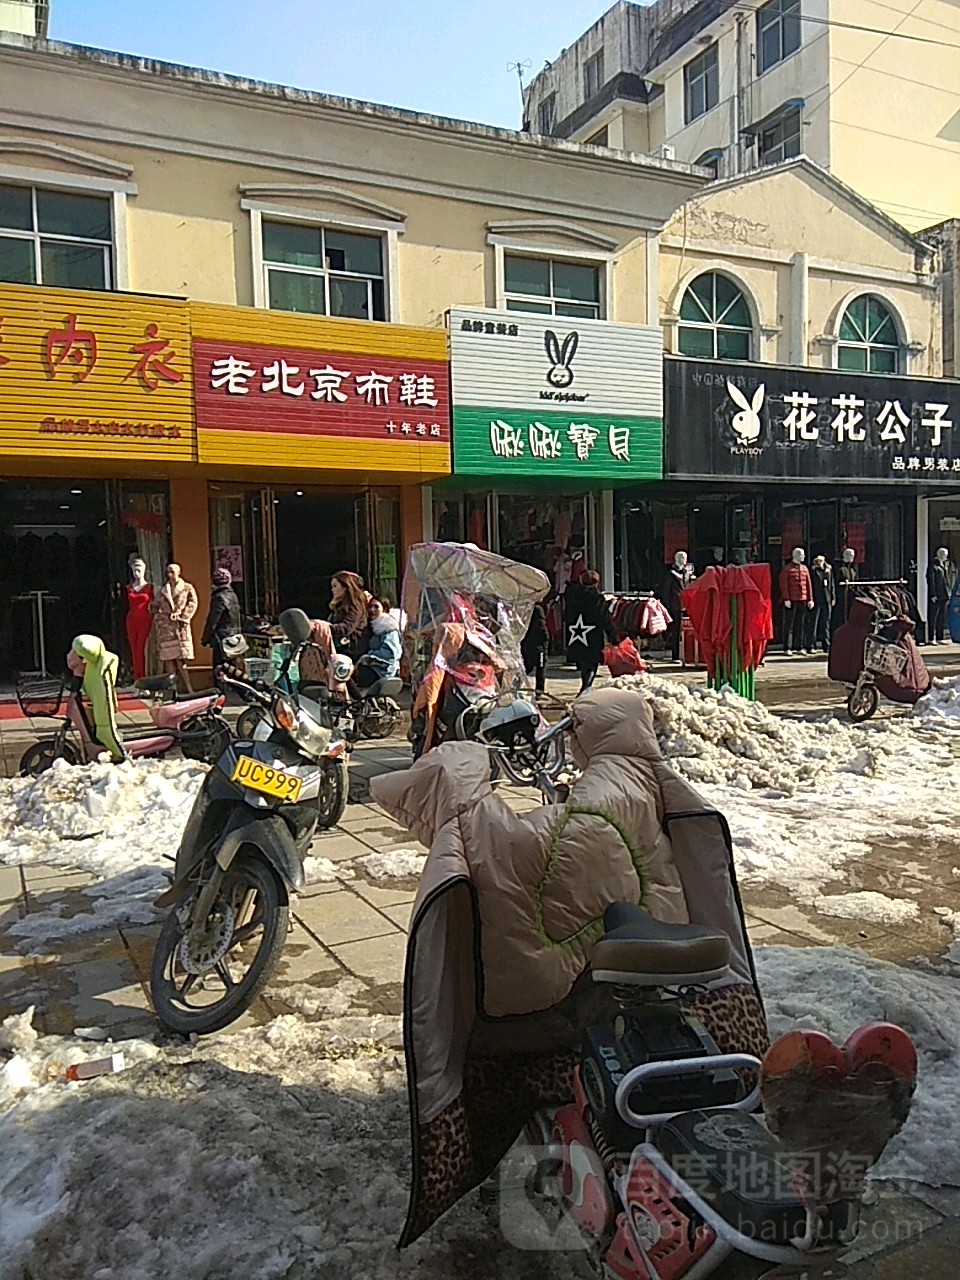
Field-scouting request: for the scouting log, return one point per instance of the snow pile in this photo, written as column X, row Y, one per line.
column 323, row 871
column 836, row 990
column 804, row 797
column 719, row 737
column 115, row 822
column 393, row 864
column 867, row 905
column 940, row 707
column 278, row 1146
column 102, row 818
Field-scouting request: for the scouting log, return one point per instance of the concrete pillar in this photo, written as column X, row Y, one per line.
column 799, row 308
column 190, row 537
column 411, row 519
column 606, row 539
column 923, row 553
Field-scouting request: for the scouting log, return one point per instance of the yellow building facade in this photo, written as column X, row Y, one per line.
column 224, row 308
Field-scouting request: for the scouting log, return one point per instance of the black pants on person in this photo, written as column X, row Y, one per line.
column 795, row 627
column 587, row 675
column 535, row 664
column 938, row 619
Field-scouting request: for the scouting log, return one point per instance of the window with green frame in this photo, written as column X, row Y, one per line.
column 869, row 341
column 715, row 321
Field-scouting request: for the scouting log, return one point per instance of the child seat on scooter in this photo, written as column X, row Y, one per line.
column 638, row 950
column 737, row 1166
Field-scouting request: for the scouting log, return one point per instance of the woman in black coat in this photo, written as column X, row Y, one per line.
column 533, row 647
column 592, row 627
column 224, row 618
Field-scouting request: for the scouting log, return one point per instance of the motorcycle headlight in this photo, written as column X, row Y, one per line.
column 310, row 736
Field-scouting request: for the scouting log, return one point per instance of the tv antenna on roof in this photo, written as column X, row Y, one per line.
column 520, row 68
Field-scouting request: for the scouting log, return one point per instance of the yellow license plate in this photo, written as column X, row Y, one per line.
column 268, row 780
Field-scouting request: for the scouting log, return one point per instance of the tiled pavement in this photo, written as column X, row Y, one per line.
column 354, row 927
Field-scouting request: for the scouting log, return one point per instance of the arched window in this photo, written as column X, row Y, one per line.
column 869, row 340
column 715, row 320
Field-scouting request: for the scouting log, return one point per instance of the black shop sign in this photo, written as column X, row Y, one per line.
column 770, row 422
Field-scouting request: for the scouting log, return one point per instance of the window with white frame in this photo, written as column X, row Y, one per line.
column 547, row 114
column 323, row 271
column 715, row 322
column 701, row 84
column 59, row 238
column 869, row 341
column 593, row 75
column 778, row 32
column 551, row 286
column 782, row 139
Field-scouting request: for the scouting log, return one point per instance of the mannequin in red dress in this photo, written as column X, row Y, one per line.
column 139, row 617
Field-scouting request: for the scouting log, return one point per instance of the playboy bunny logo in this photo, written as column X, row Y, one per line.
column 746, row 423
column 561, row 357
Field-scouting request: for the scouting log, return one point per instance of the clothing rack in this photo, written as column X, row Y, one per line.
column 876, row 582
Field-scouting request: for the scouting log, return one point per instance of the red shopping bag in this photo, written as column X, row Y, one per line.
column 623, row 659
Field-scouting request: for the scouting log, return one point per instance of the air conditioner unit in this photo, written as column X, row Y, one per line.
column 666, row 152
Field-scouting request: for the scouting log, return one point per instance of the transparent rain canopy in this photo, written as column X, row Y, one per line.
column 491, row 597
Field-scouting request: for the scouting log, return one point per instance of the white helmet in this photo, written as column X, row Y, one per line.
column 342, row 668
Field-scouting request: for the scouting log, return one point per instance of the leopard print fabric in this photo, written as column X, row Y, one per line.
column 464, row 1144
column 734, row 1017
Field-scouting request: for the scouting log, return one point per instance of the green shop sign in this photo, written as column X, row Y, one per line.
column 555, row 397
column 498, row 441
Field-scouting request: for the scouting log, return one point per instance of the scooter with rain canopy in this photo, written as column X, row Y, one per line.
column 240, row 859
column 467, row 612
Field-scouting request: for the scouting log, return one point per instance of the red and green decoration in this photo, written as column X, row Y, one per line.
column 731, row 612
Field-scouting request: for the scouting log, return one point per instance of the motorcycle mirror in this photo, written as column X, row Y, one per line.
column 295, row 625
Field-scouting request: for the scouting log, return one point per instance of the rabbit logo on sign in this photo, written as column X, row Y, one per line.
column 746, row 424
column 560, row 356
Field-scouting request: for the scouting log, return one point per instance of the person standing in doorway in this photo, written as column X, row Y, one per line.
column 592, row 626
column 533, row 648
column 824, row 602
column 941, row 576
column 224, row 622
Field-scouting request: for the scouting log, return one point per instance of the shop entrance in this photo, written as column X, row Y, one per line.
column 282, row 544
column 824, row 528
column 67, row 542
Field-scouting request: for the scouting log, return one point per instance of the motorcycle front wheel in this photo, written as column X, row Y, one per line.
column 333, row 793
column 40, row 757
column 197, row 987
column 247, row 722
column 863, row 702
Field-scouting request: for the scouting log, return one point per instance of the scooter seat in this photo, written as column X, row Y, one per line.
column 732, row 1160
column 637, row 950
column 157, row 684
column 389, row 687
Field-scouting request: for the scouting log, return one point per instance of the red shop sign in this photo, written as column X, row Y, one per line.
column 240, row 387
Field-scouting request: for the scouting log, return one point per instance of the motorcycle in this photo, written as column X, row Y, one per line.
column 467, row 611
column 663, row 1165
column 240, row 858
column 195, row 724
column 874, row 653
column 375, row 713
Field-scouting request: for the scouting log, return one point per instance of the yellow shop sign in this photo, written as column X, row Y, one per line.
column 95, row 375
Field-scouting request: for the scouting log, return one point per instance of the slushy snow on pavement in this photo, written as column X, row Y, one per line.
column 287, row 1146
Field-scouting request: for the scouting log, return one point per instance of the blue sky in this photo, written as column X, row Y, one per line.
column 450, row 59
